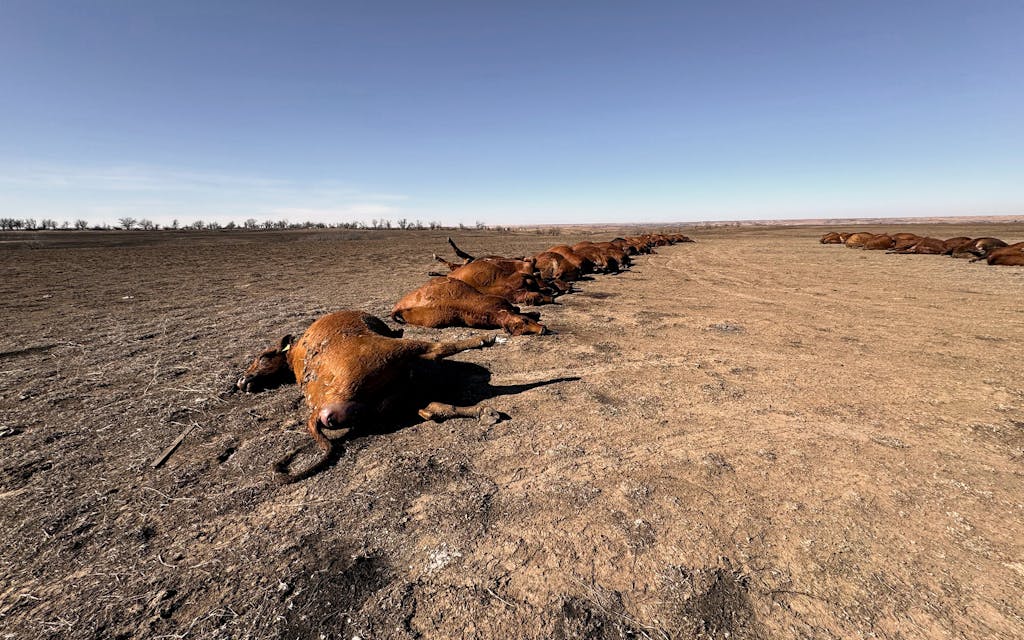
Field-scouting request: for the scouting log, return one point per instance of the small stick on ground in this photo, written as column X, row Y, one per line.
column 162, row 458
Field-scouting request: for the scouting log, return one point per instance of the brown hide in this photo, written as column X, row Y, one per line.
column 879, row 242
column 585, row 265
column 553, row 266
column 1009, row 255
column 908, row 240
column 953, row 244
column 446, row 302
column 491, row 279
column 857, row 240
column 978, row 248
column 601, row 259
column 932, row 246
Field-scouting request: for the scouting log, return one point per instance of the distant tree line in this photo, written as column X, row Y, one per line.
column 128, row 223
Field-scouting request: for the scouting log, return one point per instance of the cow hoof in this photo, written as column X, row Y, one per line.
column 489, row 416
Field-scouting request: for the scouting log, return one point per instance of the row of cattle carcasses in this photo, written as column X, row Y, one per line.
column 354, row 369
column 483, row 292
column 993, row 250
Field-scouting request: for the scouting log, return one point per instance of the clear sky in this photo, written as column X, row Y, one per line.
column 510, row 113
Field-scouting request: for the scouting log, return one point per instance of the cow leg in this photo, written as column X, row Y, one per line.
column 451, row 265
column 323, row 444
column 438, row 350
column 439, row 412
column 459, row 252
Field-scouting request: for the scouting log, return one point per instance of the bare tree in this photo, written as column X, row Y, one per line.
column 250, row 223
column 146, row 224
column 127, row 222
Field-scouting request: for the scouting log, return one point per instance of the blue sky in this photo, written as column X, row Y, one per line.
column 510, row 113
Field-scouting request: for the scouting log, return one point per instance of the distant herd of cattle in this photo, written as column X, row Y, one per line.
column 354, row 369
column 992, row 250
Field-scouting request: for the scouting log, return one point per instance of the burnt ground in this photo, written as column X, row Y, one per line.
column 752, row 436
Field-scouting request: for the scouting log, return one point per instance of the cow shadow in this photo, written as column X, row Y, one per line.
column 463, row 384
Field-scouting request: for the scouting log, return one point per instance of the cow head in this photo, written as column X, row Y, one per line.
column 270, row 369
column 520, row 325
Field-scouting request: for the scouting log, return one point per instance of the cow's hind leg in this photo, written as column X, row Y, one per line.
column 439, row 412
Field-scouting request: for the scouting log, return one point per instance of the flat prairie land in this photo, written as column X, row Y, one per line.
column 751, row 436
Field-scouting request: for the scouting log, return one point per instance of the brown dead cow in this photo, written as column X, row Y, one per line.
column 832, row 237
column 931, row 246
column 978, row 249
column 604, row 259
column 857, row 240
column 350, row 366
column 447, row 302
column 534, row 278
column 1010, row 255
column 901, row 241
column 879, row 242
column 584, row 264
column 953, row 244
column 491, row 279
column 555, row 268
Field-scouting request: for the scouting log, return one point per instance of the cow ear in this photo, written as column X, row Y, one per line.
column 286, row 343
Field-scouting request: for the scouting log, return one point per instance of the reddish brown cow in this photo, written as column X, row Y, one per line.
column 857, row 240
column 955, row 243
column 632, row 246
column 932, row 246
column 491, row 279
column 831, row 237
column 602, row 259
column 879, row 242
column 585, row 265
column 554, row 267
column 613, row 256
column 903, row 241
column 446, row 302
column 349, row 364
column 1009, row 255
column 978, row 248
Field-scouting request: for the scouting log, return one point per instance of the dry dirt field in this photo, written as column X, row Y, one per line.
column 751, row 436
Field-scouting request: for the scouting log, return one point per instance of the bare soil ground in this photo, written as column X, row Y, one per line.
column 752, row 436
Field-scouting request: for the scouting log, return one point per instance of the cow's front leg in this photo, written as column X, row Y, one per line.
column 439, row 412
